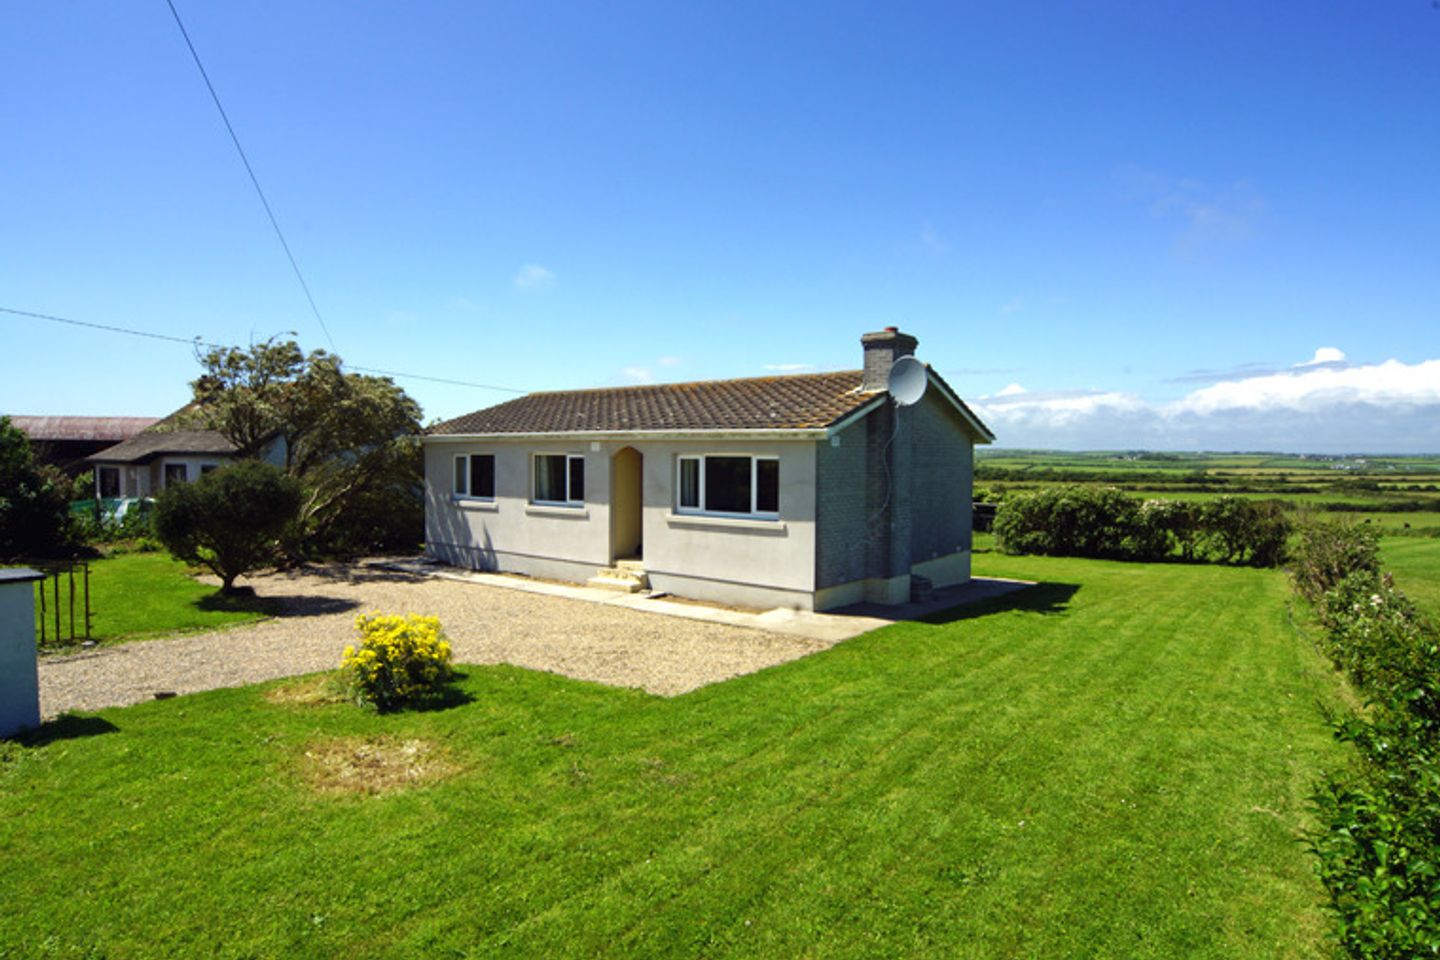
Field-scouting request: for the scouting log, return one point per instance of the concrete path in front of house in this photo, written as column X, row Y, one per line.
column 831, row 627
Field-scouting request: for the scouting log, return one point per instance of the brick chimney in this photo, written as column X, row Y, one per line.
column 881, row 351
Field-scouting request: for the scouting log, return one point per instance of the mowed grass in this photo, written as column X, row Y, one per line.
column 137, row 595
column 1415, row 562
column 1112, row 764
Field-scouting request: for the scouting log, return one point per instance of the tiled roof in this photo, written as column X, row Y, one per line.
column 113, row 429
column 807, row 401
column 153, row 443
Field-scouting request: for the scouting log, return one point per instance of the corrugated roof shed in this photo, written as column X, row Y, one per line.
column 113, row 429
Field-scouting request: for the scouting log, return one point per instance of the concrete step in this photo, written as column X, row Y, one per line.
column 618, row 584
column 634, row 566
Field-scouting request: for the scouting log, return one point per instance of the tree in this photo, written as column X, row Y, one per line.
column 34, row 512
column 351, row 440
column 229, row 521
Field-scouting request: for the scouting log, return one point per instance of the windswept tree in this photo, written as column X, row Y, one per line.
column 352, row 441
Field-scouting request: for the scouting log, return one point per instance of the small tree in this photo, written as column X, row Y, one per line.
column 34, row 512
column 229, row 521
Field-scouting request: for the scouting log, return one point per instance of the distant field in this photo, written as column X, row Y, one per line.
column 1415, row 562
column 1389, row 491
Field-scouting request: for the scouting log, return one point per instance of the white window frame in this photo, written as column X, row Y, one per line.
column 569, row 501
column 465, row 494
column 700, row 511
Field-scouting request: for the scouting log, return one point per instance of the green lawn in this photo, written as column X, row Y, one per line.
column 135, row 595
column 1415, row 561
column 1114, row 764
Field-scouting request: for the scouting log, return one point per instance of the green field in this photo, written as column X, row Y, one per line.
column 1114, row 763
column 1415, row 562
column 137, row 595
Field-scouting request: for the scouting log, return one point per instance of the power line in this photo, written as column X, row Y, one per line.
column 250, row 170
column 198, row 342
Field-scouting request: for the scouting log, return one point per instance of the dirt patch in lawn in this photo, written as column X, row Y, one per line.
column 373, row 765
column 307, row 692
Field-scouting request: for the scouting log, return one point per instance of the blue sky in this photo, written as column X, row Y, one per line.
column 1109, row 224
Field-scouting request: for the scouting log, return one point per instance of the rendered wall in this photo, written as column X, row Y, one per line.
column 759, row 563
column 740, row 561
column 510, row 533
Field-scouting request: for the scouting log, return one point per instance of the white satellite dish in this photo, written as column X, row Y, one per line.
column 907, row 382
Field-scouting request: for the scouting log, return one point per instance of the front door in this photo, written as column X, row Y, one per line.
column 627, row 470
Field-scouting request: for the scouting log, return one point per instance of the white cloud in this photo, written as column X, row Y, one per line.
column 1205, row 216
column 638, row 374
column 670, row 361
column 1323, row 407
column 789, row 367
column 1325, row 355
column 532, row 276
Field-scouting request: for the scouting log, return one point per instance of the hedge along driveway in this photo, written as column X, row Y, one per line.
column 1114, row 763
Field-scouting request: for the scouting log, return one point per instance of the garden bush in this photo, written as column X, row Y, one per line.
column 230, row 520
column 399, row 660
column 1237, row 530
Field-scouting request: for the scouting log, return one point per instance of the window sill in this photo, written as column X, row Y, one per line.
column 474, row 503
column 704, row 521
column 576, row 512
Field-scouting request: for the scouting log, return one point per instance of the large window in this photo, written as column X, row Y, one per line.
column 475, row 476
column 737, row 486
column 560, row 478
column 176, row 473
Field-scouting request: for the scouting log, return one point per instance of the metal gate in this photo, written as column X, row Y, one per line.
column 63, row 601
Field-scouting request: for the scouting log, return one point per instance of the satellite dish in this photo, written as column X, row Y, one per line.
column 908, row 380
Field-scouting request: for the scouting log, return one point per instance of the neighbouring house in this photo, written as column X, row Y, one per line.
column 150, row 461
column 813, row 491
column 166, row 453
column 67, row 442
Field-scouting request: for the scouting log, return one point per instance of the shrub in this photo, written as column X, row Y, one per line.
column 1376, row 842
column 230, row 520
column 1327, row 553
column 1069, row 521
column 1237, row 530
column 34, row 507
column 1175, row 523
column 399, row 660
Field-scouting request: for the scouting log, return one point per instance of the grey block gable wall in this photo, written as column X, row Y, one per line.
column 870, row 524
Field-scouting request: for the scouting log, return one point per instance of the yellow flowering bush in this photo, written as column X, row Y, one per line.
column 398, row 660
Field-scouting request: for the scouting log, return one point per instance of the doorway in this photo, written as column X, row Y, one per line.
column 627, row 469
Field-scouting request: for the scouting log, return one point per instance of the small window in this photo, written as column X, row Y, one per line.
column 475, row 476
column 690, row 482
column 176, row 473
column 208, row 468
column 109, row 482
column 559, row 478
column 728, row 485
column 767, row 486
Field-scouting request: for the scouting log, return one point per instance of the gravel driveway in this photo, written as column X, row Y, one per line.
column 588, row 641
